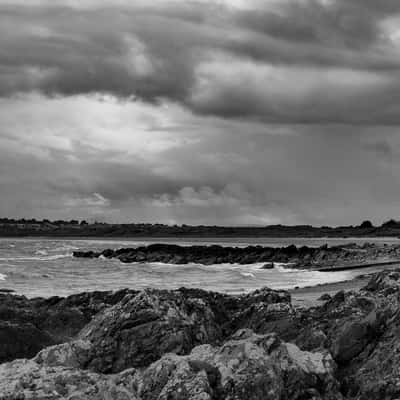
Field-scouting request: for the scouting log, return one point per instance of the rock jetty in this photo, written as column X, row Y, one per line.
column 198, row 345
column 345, row 256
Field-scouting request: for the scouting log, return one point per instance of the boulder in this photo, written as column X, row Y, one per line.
column 178, row 378
column 26, row 379
column 325, row 297
column 269, row 265
column 72, row 355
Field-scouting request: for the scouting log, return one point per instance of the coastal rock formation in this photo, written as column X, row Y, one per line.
column 248, row 366
column 199, row 345
column 28, row 325
column 141, row 328
column 26, row 379
column 295, row 257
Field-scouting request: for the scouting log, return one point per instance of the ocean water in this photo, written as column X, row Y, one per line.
column 45, row 267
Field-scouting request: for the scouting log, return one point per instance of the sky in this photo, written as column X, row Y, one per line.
column 218, row 112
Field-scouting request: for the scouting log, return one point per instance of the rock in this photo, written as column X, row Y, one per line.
column 178, row 378
column 21, row 339
column 254, row 367
column 262, row 367
column 72, row 354
column 389, row 280
column 26, row 379
column 311, row 339
column 7, row 291
column 266, row 317
column 269, row 265
column 141, row 328
column 351, row 340
column 28, row 325
column 325, row 297
column 296, row 257
column 199, row 345
column 249, row 366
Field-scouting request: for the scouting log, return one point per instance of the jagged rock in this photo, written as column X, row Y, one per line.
column 178, row 378
column 26, row 379
column 140, row 329
column 72, row 354
column 374, row 373
column 184, row 344
column 28, row 325
column 388, row 281
column 143, row 327
column 249, row 366
column 311, row 339
column 295, row 257
column 263, row 317
column 325, row 297
column 352, row 338
column 263, row 367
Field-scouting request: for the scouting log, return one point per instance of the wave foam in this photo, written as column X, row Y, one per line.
column 45, row 258
column 247, row 274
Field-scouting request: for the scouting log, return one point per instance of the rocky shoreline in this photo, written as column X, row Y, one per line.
column 324, row 257
column 199, row 345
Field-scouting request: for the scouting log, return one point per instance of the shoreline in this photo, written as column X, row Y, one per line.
column 358, row 266
column 306, row 297
column 309, row 296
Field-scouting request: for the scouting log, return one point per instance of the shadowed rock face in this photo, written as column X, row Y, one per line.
column 297, row 257
column 193, row 344
column 28, row 325
column 143, row 327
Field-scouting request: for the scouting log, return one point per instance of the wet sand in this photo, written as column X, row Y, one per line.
column 308, row 296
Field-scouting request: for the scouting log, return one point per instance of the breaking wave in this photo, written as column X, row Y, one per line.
column 44, row 258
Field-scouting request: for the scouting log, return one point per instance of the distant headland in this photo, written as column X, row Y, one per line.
column 31, row 227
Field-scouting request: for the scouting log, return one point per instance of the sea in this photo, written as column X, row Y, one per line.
column 45, row 267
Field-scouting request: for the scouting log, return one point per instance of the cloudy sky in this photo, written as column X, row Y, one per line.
column 229, row 112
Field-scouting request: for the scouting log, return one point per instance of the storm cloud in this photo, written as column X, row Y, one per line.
column 228, row 112
column 307, row 61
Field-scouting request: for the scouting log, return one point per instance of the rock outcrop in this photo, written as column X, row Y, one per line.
column 248, row 366
column 343, row 256
column 28, row 325
column 141, row 328
column 198, row 345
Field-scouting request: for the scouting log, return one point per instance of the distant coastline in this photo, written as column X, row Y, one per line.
column 45, row 228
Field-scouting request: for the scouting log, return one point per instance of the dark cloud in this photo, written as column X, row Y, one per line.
column 334, row 24
column 229, row 112
column 160, row 51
